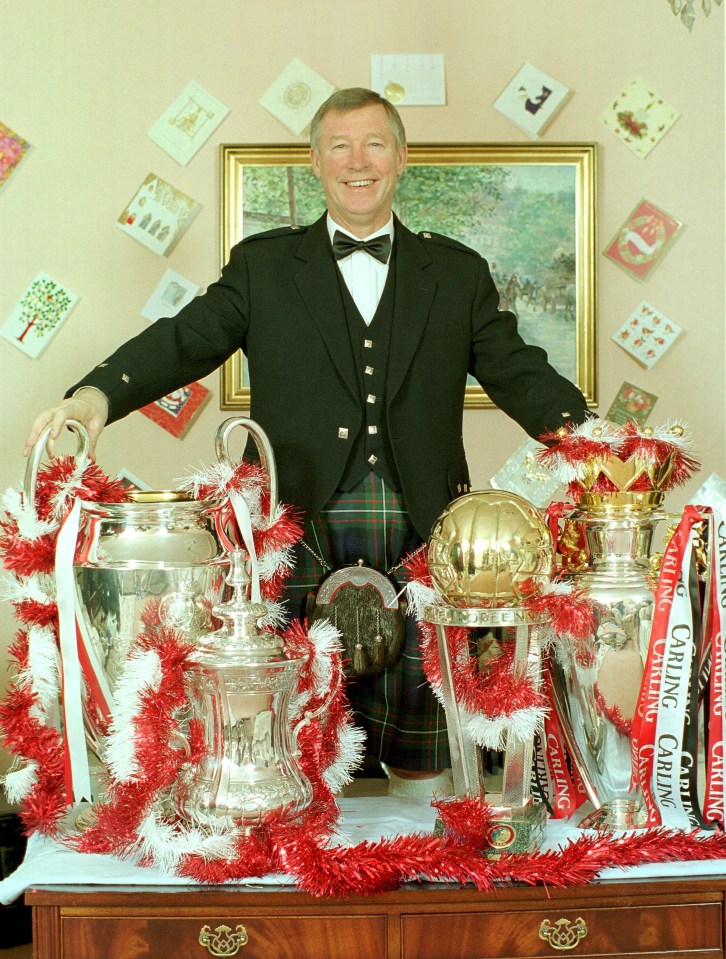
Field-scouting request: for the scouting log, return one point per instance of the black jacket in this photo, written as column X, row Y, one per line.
column 279, row 299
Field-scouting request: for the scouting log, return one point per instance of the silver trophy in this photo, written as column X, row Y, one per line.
column 159, row 559
column 243, row 687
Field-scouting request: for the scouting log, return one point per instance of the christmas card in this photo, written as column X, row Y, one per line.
column 176, row 411
column 158, row 215
column 12, row 150
column 295, row 96
column 409, row 79
column 639, row 117
column 643, row 239
column 131, row 481
column 172, row 293
column 631, row 403
column 532, row 99
column 712, row 492
column 42, row 310
column 188, row 123
column 646, row 334
column 523, row 474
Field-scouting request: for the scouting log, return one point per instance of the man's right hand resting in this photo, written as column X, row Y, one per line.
column 88, row 406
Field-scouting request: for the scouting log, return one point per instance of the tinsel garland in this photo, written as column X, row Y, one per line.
column 498, row 705
column 571, row 450
column 133, row 819
column 145, row 753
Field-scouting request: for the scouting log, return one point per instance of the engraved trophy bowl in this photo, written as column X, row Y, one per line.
column 241, row 697
column 158, row 559
column 596, row 684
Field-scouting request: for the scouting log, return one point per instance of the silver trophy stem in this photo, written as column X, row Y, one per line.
column 465, row 763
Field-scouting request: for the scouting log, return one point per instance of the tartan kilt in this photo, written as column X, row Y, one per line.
column 403, row 721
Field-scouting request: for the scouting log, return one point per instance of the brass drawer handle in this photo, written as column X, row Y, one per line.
column 223, row 942
column 563, row 934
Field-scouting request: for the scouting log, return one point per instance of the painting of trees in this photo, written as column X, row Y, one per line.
column 528, row 209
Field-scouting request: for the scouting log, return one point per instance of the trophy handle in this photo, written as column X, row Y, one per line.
column 311, row 714
column 36, row 455
column 264, row 448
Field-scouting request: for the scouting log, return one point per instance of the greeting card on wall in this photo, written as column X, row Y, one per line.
column 131, row 481
column 639, row 117
column 158, row 215
column 295, row 95
column 646, row 334
column 176, row 411
column 12, row 150
column 188, row 123
column 712, row 492
column 631, row 403
column 532, row 99
column 172, row 293
column 42, row 310
column 523, row 474
column 643, row 239
column 411, row 79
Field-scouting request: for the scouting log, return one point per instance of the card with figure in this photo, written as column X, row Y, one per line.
column 639, row 117
column 42, row 310
column 643, row 239
column 531, row 99
column 172, row 293
column 523, row 474
column 295, row 96
column 158, row 215
column 631, row 403
column 176, row 411
column 187, row 124
column 646, row 334
column 12, row 150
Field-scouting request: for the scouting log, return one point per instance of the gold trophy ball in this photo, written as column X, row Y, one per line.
column 490, row 548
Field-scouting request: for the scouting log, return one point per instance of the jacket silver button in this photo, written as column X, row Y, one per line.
column 342, row 433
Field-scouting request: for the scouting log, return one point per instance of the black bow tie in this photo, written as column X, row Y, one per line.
column 379, row 247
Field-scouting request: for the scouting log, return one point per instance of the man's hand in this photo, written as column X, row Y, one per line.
column 88, row 406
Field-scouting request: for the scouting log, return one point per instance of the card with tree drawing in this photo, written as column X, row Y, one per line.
column 42, row 310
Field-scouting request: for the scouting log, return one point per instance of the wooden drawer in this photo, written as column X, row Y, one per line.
column 677, row 931
column 288, row 937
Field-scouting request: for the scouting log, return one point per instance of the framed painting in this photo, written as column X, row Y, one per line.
column 529, row 209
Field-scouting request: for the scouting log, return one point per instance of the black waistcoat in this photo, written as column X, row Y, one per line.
column 370, row 344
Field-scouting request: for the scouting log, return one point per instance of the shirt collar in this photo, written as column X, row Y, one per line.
column 333, row 226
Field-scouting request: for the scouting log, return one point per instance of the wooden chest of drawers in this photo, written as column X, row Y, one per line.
column 656, row 918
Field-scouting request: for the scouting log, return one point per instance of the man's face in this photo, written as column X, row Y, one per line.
column 358, row 164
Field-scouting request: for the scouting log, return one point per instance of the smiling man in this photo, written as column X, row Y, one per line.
column 360, row 336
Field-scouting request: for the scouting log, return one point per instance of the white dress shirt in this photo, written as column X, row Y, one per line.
column 364, row 275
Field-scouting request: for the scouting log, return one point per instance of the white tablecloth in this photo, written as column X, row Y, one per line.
column 49, row 863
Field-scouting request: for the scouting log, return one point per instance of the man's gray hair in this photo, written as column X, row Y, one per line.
column 353, row 98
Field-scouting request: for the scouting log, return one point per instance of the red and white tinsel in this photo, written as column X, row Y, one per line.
column 148, row 745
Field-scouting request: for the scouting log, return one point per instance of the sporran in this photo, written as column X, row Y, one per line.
column 364, row 607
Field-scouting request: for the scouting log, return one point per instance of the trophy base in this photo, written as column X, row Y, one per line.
column 616, row 815
column 513, row 829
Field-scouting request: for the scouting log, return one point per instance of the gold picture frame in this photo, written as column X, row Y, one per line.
column 530, row 209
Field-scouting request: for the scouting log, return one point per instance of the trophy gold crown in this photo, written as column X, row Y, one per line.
column 633, row 475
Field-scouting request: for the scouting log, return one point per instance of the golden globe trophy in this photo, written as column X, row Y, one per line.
column 488, row 551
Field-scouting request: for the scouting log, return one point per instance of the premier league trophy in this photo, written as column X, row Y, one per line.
column 618, row 482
